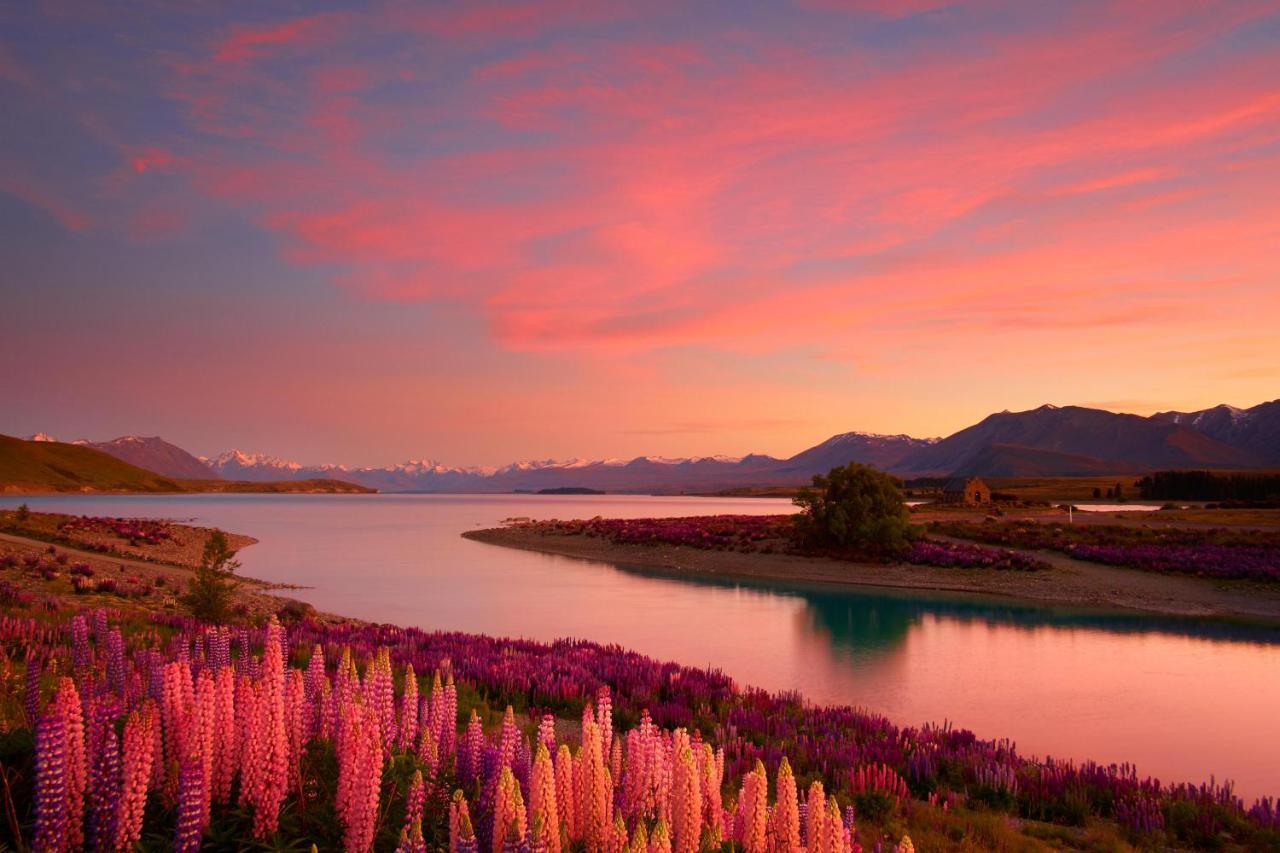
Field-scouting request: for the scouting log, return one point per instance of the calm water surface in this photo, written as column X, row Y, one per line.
column 1180, row 699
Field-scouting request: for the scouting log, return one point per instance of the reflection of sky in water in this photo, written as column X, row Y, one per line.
column 1179, row 698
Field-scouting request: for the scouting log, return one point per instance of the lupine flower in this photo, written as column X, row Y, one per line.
column 52, row 784
column 543, row 811
column 566, row 801
column 660, row 842
column 408, row 710
column 359, row 777
column 686, row 794
column 66, row 704
column 785, row 818
column 138, row 754
column 192, row 808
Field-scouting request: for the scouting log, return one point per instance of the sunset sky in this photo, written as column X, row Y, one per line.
column 494, row 230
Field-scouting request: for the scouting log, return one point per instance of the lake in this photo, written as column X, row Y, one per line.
column 1181, row 699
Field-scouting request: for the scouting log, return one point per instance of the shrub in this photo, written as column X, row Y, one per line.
column 213, row 584
column 23, row 513
column 854, row 507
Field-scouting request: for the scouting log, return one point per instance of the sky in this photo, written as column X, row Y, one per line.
column 484, row 231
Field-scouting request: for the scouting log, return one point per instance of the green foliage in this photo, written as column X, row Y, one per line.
column 214, row 585
column 854, row 507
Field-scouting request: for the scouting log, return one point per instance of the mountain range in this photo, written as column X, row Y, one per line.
column 1044, row 442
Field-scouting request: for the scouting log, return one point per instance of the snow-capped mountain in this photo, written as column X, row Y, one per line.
column 1256, row 430
column 41, row 436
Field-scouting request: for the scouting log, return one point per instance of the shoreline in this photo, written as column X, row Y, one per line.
column 1067, row 582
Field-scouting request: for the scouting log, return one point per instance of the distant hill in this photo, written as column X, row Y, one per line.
column 53, row 466
column 885, row 452
column 155, row 454
column 1255, row 430
column 1127, row 442
column 1013, row 460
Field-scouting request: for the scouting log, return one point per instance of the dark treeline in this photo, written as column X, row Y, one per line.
column 1210, row 486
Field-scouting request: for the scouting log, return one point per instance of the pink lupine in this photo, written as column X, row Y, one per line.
column 508, row 810
column 815, row 815
column 379, row 691
column 639, row 842
column 136, row 760
column 271, row 746
column 408, row 734
column 547, row 732
column 751, row 819
column 469, row 758
column 660, row 841
column 604, row 719
column 784, row 821
column 618, row 837
column 359, row 777
column 458, row 813
column 448, row 725
column 411, row 840
column 201, row 736
column 711, row 769
column 66, row 702
column 594, row 789
column 566, row 801
column 543, row 811
column 464, row 840
column 295, row 724
column 415, row 800
column 686, row 800
column 226, row 750
column 429, row 751
column 508, row 738
column 837, row 833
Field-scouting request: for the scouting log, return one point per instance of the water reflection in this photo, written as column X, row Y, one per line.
column 865, row 620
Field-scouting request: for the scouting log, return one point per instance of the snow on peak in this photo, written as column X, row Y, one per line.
column 253, row 460
column 41, row 436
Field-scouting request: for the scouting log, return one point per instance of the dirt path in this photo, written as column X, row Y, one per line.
column 1068, row 581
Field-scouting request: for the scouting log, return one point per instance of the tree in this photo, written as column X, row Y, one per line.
column 1097, row 493
column 855, row 507
column 24, row 512
column 214, row 584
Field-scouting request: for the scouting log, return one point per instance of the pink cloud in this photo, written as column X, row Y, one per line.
column 248, row 43
column 646, row 193
column 68, row 215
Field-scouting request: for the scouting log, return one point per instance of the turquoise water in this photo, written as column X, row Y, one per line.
column 1181, row 699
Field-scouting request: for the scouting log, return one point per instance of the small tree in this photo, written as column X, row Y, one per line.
column 24, row 512
column 855, row 507
column 211, row 590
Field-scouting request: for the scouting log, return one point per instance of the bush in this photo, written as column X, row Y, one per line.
column 213, row 584
column 23, row 513
column 854, row 507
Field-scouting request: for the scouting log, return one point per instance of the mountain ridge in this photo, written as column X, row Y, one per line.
column 1045, row 441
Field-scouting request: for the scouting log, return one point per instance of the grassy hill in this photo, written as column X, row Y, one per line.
column 51, row 466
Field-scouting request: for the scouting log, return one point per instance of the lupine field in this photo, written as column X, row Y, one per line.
column 770, row 534
column 161, row 733
column 1214, row 553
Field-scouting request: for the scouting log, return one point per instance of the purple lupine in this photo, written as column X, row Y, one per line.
column 104, row 785
column 31, row 701
column 192, row 811
column 52, row 819
column 82, row 656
